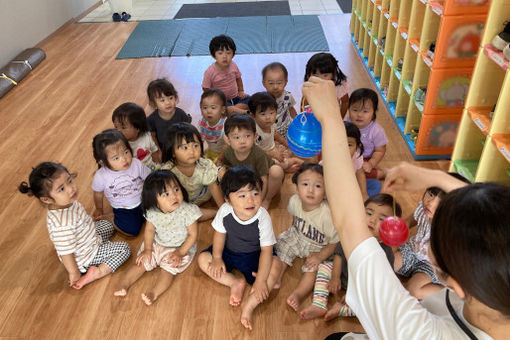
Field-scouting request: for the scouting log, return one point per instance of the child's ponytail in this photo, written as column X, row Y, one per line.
column 25, row 189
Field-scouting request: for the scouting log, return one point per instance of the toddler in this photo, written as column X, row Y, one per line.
column 170, row 234
column 83, row 246
column 274, row 79
column 331, row 276
column 262, row 107
column 131, row 121
column 243, row 240
column 212, row 104
column 312, row 235
column 224, row 74
column 163, row 98
column 120, row 178
column 240, row 134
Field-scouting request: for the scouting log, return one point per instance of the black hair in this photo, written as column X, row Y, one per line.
column 275, row 66
column 160, row 87
column 175, row 134
column 41, row 179
column 239, row 176
column 352, row 131
column 104, row 139
column 385, row 200
column 324, row 63
column 436, row 191
column 155, row 184
column 470, row 240
column 261, row 101
column 240, row 121
column 221, row 42
column 214, row 92
column 362, row 95
column 132, row 113
column 307, row 166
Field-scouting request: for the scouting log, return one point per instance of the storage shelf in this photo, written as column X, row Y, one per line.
column 407, row 86
column 397, row 73
column 502, row 142
column 496, row 56
column 481, row 117
column 415, row 44
column 418, row 105
column 403, row 32
column 437, row 7
column 466, row 168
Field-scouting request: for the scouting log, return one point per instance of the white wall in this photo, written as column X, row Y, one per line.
column 24, row 23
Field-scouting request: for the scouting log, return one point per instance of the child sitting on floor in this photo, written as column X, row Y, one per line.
column 212, row 105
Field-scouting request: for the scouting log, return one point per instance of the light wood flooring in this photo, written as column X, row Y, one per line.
column 53, row 115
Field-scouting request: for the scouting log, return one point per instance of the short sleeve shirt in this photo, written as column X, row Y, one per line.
column 265, row 139
column 160, row 125
column 224, row 80
column 420, row 242
column 283, row 118
column 213, row 135
column 143, row 148
column 257, row 159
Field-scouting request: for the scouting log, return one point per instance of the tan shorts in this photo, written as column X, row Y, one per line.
column 159, row 254
column 290, row 245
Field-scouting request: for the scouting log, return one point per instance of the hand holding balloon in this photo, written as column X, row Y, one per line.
column 304, row 135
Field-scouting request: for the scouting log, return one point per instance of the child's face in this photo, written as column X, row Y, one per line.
column 187, row 153
column 274, row 82
column 245, row 202
column 375, row 215
column 128, row 130
column 63, row 192
column 212, row 109
column 310, row 189
column 223, row 57
column 265, row 119
column 165, row 104
column 119, row 156
column 325, row 76
column 241, row 140
column 361, row 113
column 351, row 143
column 430, row 203
column 171, row 198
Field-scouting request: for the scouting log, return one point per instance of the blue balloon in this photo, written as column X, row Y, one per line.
column 304, row 135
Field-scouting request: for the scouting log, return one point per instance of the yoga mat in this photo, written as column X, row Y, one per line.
column 188, row 37
column 345, row 5
column 233, row 9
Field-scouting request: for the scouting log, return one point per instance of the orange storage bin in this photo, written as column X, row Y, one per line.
column 456, row 7
column 437, row 134
column 447, row 91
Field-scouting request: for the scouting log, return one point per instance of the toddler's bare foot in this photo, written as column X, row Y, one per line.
column 120, row 292
column 247, row 313
column 294, row 300
column 312, row 312
column 237, row 292
column 278, row 284
column 91, row 275
column 148, row 298
column 333, row 312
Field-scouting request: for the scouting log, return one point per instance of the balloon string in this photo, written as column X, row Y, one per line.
column 394, row 207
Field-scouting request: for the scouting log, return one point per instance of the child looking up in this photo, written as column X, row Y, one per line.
column 131, row 121
column 243, row 240
column 274, row 79
column 331, row 276
column 312, row 235
column 362, row 113
column 212, row 104
column 170, row 234
column 240, row 130
column 83, row 246
column 225, row 75
column 120, row 178
column 262, row 107
column 163, row 98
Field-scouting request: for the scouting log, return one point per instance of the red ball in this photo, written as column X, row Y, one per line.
column 393, row 231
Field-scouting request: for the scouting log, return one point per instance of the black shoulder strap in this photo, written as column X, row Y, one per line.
column 457, row 319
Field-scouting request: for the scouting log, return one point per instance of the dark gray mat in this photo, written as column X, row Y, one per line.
column 233, row 9
column 345, row 5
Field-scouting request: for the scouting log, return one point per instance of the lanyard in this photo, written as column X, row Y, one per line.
column 457, row 319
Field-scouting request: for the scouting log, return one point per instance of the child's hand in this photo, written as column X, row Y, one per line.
column 73, row 277
column 367, row 166
column 260, row 290
column 242, row 94
column 216, row 268
column 312, row 261
column 146, row 255
column 334, row 285
column 98, row 214
column 174, row 259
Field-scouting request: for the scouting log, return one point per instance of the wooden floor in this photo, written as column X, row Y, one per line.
column 53, row 115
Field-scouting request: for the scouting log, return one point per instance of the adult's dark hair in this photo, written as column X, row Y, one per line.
column 435, row 191
column 155, row 184
column 307, row 166
column 214, row 92
column 159, row 87
column 260, row 102
column 40, row 180
column 352, row 131
column 362, row 95
column 324, row 63
column 470, row 240
column 175, row 134
column 239, row 176
column 133, row 114
column 275, row 66
column 385, row 200
column 102, row 140
column 240, row 121
column 221, row 42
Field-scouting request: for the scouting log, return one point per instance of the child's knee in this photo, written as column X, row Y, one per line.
column 203, row 260
column 276, row 172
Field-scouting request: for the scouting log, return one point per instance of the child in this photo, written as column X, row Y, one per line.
column 362, row 108
column 183, row 155
column 212, row 104
column 240, row 137
column 325, row 66
column 274, row 79
column 243, row 240
column 163, row 98
column 120, row 178
column 131, row 121
column 170, row 234
column 312, row 234
column 262, row 107
column 83, row 246
column 331, row 276
column 224, row 74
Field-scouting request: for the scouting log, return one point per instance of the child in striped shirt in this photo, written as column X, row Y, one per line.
column 213, row 104
column 82, row 245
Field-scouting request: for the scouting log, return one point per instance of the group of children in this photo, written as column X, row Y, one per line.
column 160, row 171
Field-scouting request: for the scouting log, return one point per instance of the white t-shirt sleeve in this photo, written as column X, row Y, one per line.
column 266, row 233
column 217, row 223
